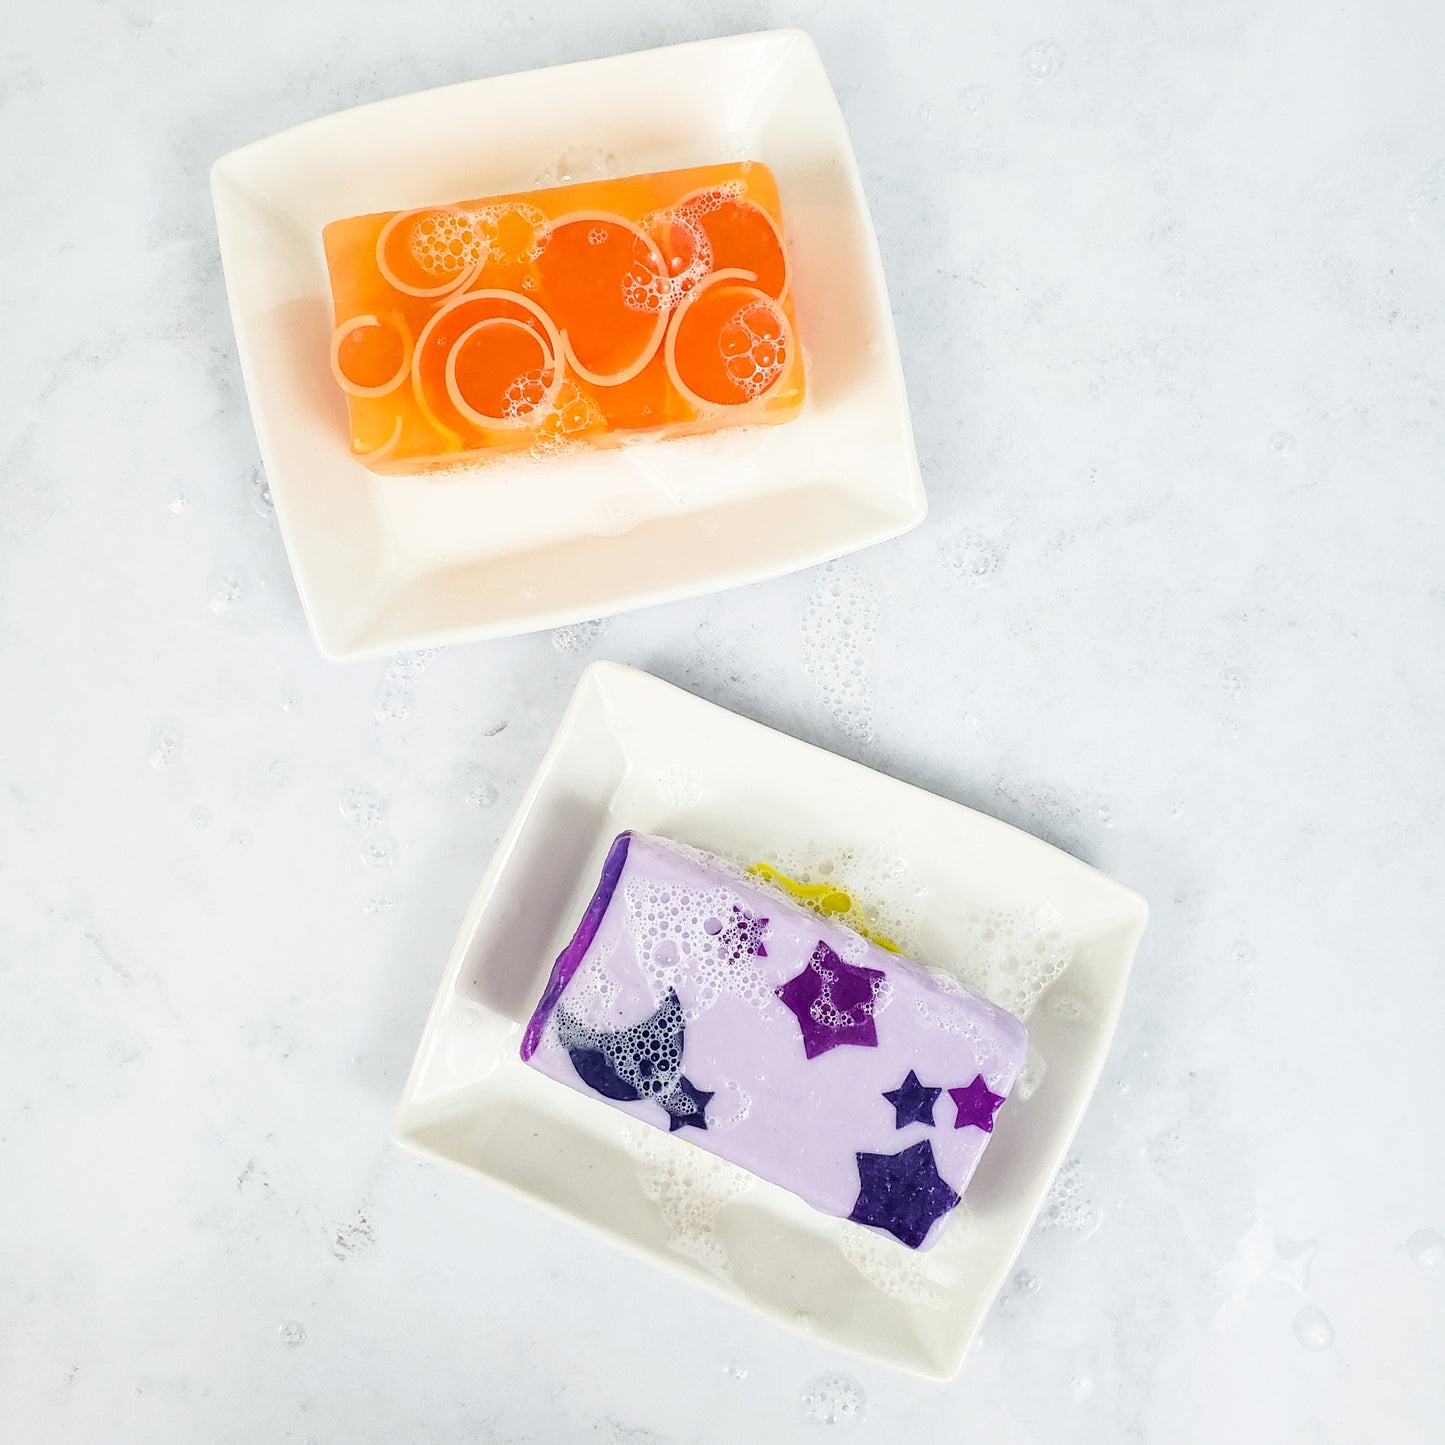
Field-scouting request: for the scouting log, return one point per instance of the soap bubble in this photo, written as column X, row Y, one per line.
column 165, row 744
column 833, row 1399
column 1426, row 1248
column 577, row 636
column 1313, row 1329
column 1042, row 60
column 363, row 807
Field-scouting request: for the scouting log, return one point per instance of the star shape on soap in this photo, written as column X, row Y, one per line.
column 902, row 1193
column 977, row 1104
column 912, row 1102
column 742, row 935
column 686, row 1104
column 833, row 1002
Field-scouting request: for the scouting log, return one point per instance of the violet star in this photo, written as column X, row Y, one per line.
column 833, row 1002
column 742, row 936
column 902, row 1193
column 977, row 1104
column 913, row 1102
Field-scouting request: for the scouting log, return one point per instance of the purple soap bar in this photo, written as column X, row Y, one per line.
column 713, row 1006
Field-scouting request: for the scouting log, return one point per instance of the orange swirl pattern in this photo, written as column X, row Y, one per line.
column 577, row 315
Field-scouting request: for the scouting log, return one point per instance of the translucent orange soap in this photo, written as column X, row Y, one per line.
column 579, row 314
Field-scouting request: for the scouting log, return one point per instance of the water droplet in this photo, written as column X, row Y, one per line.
column 1042, row 60
column 1081, row 1387
column 288, row 704
column 578, row 635
column 973, row 557
column 1425, row 200
column 279, row 773
column 1106, row 815
column 407, row 665
column 680, row 788
column 293, row 1332
column 377, row 904
column 735, row 1372
column 974, row 98
column 1026, row 1282
column 239, row 840
column 363, row 808
column 1232, row 683
column 180, row 502
column 579, row 163
column 228, row 589
column 833, row 1399
column 1313, row 1329
column 1242, row 953
column 201, row 816
column 392, row 702
column 1426, row 1248
column 166, row 743
column 379, row 850
column 261, row 495
column 612, row 517
column 1281, row 443
column 480, row 790
column 530, row 593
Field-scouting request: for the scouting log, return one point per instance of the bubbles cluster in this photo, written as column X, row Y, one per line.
column 446, row 243
column 1031, row 1075
column 702, row 934
column 900, row 1272
column 1011, row 956
column 165, row 744
column 647, row 1056
column 571, row 413
column 363, row 808
column 839, row 625
column 527, row 393
column 833, row 1399
column 883, row 895
column 680, row 788
column 407, row 665
column 577, row 636
column 690, row 1187
column 973, row 557
column 1070, row 1208
column 754, row 345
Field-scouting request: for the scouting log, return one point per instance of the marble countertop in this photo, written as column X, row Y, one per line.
column 1170, row 291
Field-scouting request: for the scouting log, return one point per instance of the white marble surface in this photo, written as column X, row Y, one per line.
column 1169, row 290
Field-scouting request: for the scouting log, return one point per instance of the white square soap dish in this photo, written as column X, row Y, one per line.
column 1032, row 928
column 385, row 563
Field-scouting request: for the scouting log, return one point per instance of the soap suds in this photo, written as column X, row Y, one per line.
column 839, row 628
column 690, row 1187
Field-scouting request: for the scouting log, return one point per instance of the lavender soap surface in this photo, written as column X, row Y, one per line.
column 706, row 1003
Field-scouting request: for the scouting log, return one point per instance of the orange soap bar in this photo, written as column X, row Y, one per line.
column 582, row 313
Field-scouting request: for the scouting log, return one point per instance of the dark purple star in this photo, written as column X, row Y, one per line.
column 913, row 1102
column 833, row 1002
column 902, row 1193
column 977, row 1104
column 686, row 1104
